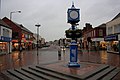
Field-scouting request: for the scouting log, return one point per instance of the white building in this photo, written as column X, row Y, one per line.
column 5, row 38
column 113, row 34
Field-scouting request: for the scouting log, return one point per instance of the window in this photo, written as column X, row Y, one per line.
column 100, row 32
column 15, row 35
column 94, row 33
column 109, row 30
column 117, row 28
column 6, row 32
column 0, row 30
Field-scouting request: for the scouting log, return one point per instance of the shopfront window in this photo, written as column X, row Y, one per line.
column 103, row 45
column 15, row 46
column 113, row 46
column 3, row 47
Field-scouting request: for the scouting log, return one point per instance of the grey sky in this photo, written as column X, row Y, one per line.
column 52, row 14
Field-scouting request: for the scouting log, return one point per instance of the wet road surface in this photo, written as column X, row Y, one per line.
column 50, row 54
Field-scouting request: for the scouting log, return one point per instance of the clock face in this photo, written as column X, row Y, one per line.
column 74, row 14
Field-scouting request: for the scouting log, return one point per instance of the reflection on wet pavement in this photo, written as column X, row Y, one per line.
column 26, row 58
column 101, row 57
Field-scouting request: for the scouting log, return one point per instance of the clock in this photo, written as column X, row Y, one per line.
column 73, row 14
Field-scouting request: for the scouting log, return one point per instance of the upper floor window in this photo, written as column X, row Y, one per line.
column 0, row 30
column 109, row 30
column 100, row 32
column 94, row 33
column 6, row 32
column 15, row 35
column 117, row 28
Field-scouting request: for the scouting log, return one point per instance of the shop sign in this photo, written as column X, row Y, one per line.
column 111, row 38
column 6, row 39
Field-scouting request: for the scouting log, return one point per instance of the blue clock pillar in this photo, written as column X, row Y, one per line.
column 73, row 18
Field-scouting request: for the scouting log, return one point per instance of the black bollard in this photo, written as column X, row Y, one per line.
column 59, row 55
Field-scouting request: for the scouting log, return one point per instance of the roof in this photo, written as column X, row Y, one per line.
column 101, row 26
column 2, row 23
column 117, row 16
column 20, row 26
column 24, row 28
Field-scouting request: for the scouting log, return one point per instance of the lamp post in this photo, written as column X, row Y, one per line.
column 13, row 12
column 37, row 25
column 10, row 24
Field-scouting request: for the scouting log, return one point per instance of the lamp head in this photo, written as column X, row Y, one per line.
column 19, row 11
column 38, row 25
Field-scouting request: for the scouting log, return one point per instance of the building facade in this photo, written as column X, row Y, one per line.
column 86, row 33
column 5, row 38
column 97, row 37
column 20, row 35
column 93, row 38
column 113, row 35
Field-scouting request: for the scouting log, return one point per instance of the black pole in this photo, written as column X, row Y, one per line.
column 38, row 25
column 37, row 39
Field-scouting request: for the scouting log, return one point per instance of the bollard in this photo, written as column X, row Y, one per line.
column 59, row 55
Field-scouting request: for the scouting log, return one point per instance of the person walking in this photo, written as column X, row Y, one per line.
column 59, row 52
column 20, row 49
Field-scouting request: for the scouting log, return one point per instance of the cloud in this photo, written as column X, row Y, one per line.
column 52, row 14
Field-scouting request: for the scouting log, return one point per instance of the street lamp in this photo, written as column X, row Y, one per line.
column 13, row 12
column 38, row 25
column 10, row 23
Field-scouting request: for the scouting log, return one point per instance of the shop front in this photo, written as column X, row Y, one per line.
column 4, row 44
column 15, row 45
column 99, row 43
column 113, row 42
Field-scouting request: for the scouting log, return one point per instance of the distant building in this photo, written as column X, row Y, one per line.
column 86, row 33
column 41, row 41
column 98, row 34
column 94, row 37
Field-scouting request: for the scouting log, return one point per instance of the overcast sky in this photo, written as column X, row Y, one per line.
column 52, row 14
